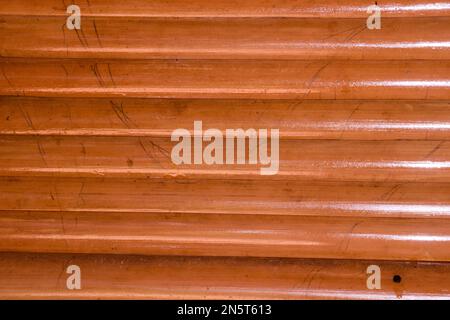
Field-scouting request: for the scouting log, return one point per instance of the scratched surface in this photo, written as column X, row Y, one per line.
column 86, row 176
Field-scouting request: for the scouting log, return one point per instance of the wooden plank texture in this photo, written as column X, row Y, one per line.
column 305, row 119
column 31, row 276
column 225, row 235
column 228, row 196
column 228, row 8
column 299, row 79
column 226, row 38
column 398, row 161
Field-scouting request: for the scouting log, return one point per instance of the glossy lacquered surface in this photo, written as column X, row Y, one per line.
column 228, row 38
column 87, row 179
column 41, row 276
column 232, row 8
column 268, row 79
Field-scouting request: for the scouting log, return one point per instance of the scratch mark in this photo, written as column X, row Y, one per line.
column 27, row 117
column 63, row 28
column 353, row 112
column 434, row 149
column 61, row 216
column 355, row 34
column 6, row 77
column 65, row 70
column 110, row 74
column 388, row 195
column 79, row 38
column 160, row 149
column 121, row 114
column 84, row 37
column 348, row 119
column 80, row 195
column 38, row 142
column 83, row 149
column 96, row 33
column 41, row 151
column 309, row 279
column 294, row 105
column 350, row 234
column 98, row 76
column 342, row 32
column 314, row 77
column 148, row 153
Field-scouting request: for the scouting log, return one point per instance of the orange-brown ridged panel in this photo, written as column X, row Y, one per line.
column 38, row 276
column 86, row 176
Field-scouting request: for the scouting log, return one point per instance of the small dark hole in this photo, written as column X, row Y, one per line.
column 397, row 279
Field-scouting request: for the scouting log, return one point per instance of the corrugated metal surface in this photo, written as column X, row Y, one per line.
column 86, row 176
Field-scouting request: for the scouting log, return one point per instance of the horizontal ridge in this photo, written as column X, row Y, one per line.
column 272, row 197
column 229, row 8
column 407, row 80
column 295, row 39
column 225, row 235
column 308, row 119
column 31, row 276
